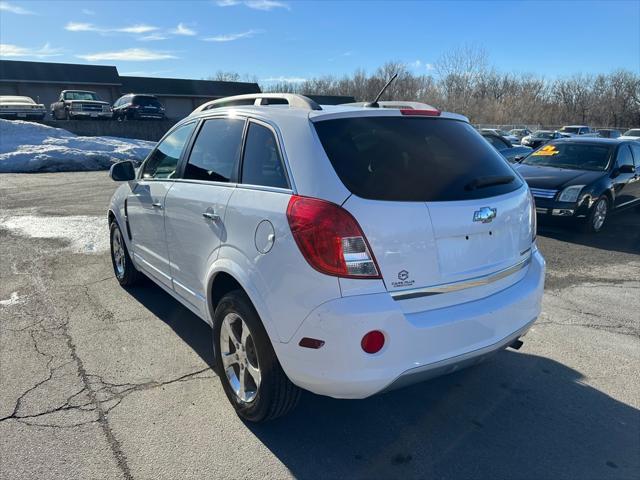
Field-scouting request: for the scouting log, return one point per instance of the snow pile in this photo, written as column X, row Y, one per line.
column 33, row 147
column 84, row 234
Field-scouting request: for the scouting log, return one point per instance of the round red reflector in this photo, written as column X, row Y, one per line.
column 373, row 341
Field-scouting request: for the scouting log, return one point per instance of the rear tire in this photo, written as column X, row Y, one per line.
column 125, row 271
column 248, row 354
column 598, row 215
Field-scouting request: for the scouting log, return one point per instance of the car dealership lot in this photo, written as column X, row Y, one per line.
column 100, row 382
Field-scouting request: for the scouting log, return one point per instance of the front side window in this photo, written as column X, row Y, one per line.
column 262, row 164
column 636, row 155
column 216, row 150
column 163, row 161
column 624, row 156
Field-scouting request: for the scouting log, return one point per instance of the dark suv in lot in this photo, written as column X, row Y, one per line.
column 134, row 106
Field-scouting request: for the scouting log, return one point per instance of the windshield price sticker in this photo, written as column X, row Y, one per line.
column 546, row 151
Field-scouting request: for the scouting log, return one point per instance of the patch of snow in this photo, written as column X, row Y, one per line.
column 85, row 234
column 15, row 299
column 32, row 147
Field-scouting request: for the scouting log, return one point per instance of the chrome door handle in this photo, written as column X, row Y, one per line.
column 211, row 216
column 157, row 205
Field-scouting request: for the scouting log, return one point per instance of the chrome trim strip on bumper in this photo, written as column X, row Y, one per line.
column 455, row 286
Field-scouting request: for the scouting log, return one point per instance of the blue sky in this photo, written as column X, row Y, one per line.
column 280, row 39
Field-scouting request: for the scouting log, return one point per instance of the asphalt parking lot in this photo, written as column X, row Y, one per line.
column 101, row 382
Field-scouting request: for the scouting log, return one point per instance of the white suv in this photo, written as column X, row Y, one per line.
column 344, row 250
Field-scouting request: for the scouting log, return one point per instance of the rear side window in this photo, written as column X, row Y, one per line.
column 262, row 164
column 414, row 159
column 216, row 150
column 496, row 142
column 163, row 161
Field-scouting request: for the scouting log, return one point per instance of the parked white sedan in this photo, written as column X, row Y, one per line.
column 12, row 107
column 344, row 250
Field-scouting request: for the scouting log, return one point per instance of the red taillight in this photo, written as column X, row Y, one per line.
column 373, row 341
column 330, row 239
column 420, row 113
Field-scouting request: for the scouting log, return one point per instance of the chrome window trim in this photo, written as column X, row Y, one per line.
column 461, row 285
column 264, row 188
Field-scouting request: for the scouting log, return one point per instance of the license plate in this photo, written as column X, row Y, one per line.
column 22, row 115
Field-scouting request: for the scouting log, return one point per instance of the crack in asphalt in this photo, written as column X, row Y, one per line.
column 100, row 396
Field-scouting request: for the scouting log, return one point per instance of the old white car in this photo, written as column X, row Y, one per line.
column 21, row 107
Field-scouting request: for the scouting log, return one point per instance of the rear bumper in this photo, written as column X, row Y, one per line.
column 80, row 114
column 417, row 346
column 20, row 114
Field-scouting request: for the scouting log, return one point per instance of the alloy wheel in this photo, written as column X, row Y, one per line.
column 600, row 214
column 239, row 358
column 117, row 249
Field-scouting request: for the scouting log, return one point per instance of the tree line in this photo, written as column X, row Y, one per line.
column 463, row 81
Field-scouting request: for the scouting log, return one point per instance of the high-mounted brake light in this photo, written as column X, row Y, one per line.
column 330, row 239
column 420, row 113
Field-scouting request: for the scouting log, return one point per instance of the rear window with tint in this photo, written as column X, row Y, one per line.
column 146, row 101
column 413, row 159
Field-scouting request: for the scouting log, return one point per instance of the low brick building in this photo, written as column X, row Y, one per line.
column 43, row 82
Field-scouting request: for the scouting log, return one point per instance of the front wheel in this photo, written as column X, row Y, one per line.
column 251, row 375
column 597, row 216
column 124, row 269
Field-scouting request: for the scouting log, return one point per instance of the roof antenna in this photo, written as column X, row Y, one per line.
column 374, row 104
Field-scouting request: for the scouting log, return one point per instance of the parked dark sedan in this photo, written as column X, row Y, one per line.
column 138, row 107
column 513, row 153
column 583, row 178
column 539, row 138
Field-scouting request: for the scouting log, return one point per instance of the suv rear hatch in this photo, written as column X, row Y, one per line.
column 438, row 205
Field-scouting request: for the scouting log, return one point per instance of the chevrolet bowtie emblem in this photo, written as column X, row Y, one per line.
column 485, row 215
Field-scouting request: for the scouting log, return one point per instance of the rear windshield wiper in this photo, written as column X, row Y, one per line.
column 489, row 181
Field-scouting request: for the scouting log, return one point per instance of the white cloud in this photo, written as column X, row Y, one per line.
column 86, row 11
column 265, row 5
column 154, row 37
column 182, row 29
column 420, row 65
column 230, row 37
column 8, row 50
column 128, row 55
column 11, row 8
column 90, row 27
column 80, row 27
column 284, row 80
column 140, row 28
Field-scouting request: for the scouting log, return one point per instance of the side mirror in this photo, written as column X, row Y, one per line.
column 519, row 158
column 122, row 171
column 627, row 169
